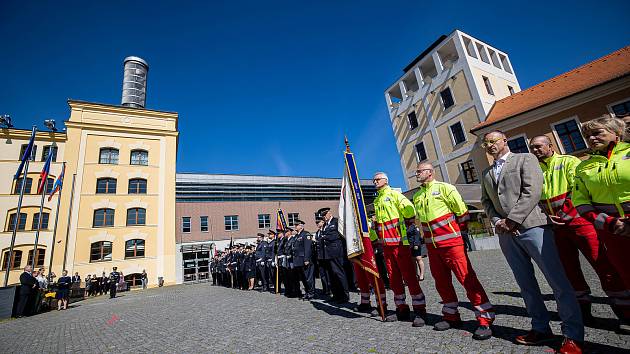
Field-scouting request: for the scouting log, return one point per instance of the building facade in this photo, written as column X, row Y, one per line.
column 212, row 210
column 447, row 90
column 558, row 107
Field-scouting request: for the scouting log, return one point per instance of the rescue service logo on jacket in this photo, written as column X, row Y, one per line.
column 435, row 193
column 559, row 167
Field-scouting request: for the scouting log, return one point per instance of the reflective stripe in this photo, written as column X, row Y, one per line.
column 449, row 310
column 444, row 237
column 392, row 239
column 391, row 226
column 621, row 293
column 464, row 217
column 367, row 295
column 487, row 315
column 399, row 302
column 484, row 306
column 582, row 293
column 402, row 296
column 600, row 221
column 442, row 223
column 417, row 299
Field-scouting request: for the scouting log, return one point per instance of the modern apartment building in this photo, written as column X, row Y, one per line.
column 443, row 93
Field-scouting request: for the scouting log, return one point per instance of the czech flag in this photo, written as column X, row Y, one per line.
column 43, row 177
column 58, row 183
column 27, row 155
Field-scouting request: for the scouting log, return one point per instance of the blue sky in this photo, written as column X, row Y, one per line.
column 272, row 87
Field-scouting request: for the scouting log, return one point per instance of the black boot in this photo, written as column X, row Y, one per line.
column 420, row 318
column 403, row 314
column 587, row 316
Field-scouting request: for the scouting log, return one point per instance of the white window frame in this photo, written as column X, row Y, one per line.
column 416, row 150
column 450, row 132
column 264, row 227
column 232, row 228
column 189, row 226
column 201, row 223
column 524, row 136
column 609, row 106
column 489, row 87
column 291, row 221
column 439, row 93
column 557, row 137
column 409, row 123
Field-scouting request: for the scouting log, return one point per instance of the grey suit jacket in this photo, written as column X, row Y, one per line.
column 516, row 194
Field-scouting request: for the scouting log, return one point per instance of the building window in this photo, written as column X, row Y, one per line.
column 139, row 157
column 50, row 182
column 27, row 187
column 570, row 136
column 457, row 130
column 511, row 89
column 134, row 248
column 106, row 186
column 186, row 224
column 40, row 257
column 264, row 221
column 421, row 152
column 103, row 217
column 137, row 186
column 468, row 168
column 44, row 221
column 49, row 150
column 231, row 223
column 33, row 151
column 447, row 98
column 21, row 224
column 136, row 216
column 413, row 120
column 15, row 261
column 293, row 218
column 518, row 145
column 203, row 220
column 133, row 280
column 108, row 156
column 101, row 251
column 486, row 82
column 621, row 109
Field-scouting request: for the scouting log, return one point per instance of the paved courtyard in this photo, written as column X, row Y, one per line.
column 205, row 318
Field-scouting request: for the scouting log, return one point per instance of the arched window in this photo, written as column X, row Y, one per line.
column 44, row 221
column 133, row 280
column 136, row 216
column 139, row 157
column 12, row 221
column 103, row 217
column 39, row 259
column 106, row 185
column 137, row 186
column 15, row 262
column 27, row 188
column 49, row 184
column 108, row 156
column 134, row 248
column 101, row 251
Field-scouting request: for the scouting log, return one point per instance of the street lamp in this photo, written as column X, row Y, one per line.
column 5, row 120
column 50, row 124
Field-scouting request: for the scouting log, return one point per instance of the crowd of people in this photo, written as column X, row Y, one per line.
column 545, row 207
column 35, row 286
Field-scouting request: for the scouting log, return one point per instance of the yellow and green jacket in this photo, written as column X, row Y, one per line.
column 393, row 213
column 558, row 180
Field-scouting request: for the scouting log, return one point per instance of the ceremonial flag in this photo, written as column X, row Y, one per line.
column 27, row 155
column 58, row 183
column 231, row 242
column 43, row 176
column 281, row 224
column 353, row 221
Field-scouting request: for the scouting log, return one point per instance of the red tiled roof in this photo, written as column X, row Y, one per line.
column 602, row 70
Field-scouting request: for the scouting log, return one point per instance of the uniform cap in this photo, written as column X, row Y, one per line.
column 321, row 212
column 260, row 235
column 271, row 232
column 299, row 222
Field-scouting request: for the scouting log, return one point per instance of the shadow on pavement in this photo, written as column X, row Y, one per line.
column 546, row 297
column 339, row 310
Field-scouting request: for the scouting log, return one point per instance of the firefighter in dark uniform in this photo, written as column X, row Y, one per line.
column 333, row 256
column 302, row 260
column 270, row 255
column 114, row 278
column 260, row 261
column 319, row 248
column 292, row 280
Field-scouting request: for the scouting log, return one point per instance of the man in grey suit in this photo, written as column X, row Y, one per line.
column 511, row 190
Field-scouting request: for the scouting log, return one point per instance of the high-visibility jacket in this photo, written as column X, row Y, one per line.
column 392, row 210
column 558, row 179
column 442, row 212
column 602, row 186
column 373, row 235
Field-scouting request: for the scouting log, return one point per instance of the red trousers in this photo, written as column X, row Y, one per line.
column 400, row 265
column 445, row 261
column 617, row 251
column 367, row 280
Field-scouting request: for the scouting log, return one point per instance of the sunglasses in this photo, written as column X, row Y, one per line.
column 488, row 143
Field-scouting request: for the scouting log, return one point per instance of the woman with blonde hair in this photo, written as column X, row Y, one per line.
column 602, row 195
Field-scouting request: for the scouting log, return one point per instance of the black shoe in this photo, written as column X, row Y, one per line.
column 365, row 308
column 482, row 333
column 419, row 319
column 403, row 315
column 391, row 316
column 446, row 325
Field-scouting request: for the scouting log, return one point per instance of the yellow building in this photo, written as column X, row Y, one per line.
column 118, row 204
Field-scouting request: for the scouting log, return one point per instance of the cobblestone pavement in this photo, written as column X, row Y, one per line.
column 205, row 318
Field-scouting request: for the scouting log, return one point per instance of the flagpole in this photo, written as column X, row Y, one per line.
column 17, row 212
column 39, row 220
column 52, row 248
column 65, row 249
column 16, row 225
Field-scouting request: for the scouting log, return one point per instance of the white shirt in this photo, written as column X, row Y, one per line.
column 497, row 166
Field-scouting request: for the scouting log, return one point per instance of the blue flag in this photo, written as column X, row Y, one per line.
column 27, row 155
